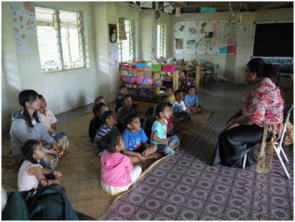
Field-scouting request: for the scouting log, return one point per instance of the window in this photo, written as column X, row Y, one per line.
column 61, row 39
column 161, row 41
column 127, row 46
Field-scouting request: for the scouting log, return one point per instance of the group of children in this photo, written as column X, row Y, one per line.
column 121, row 141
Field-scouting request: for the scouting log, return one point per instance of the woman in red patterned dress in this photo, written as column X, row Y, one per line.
column 263, row 103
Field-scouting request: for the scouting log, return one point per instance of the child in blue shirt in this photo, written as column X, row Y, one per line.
column 191, row 100
column 135, row 140
column 159, row 130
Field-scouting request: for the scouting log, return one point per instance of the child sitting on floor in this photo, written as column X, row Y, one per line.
column 179, row 108
column 99, row 99
column 165, row 99
column 135, row 140
column 98, row 109
column 170, row 121
column 31, row 172
column 124, row 111
column 117, row 170
column 123, row 91
column 109, row 123
column 148, row 122
column 47, row 117
column 159, row 130
column 169, row 93
column 191, row 100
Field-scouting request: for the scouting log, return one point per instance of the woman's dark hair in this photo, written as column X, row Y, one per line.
column 97, row 107
column 28, row 150
column 261, row 68
column 110, row 141
column 25, row 96
column 106, row 115
column 158, row 109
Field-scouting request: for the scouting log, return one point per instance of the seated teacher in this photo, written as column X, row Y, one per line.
column 263, row 103
column 26, row 123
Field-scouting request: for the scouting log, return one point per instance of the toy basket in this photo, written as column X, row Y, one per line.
column 156, row 67
column 168, row 68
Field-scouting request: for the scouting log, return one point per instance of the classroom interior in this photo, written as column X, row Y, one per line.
column 73, row 52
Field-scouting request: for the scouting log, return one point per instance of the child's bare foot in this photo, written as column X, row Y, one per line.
column 156, row 155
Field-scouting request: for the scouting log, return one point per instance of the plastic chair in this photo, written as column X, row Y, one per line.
column 278, row 146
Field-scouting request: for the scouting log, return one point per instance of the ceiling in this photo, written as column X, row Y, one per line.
column 193, row 7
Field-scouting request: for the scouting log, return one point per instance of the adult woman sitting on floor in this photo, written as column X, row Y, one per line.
column 262, row 104
column 26, row 124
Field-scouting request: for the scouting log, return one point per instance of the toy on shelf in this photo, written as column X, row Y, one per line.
column 145, row 80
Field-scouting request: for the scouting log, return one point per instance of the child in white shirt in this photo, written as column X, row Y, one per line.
column 179, row 108
column 47, row 117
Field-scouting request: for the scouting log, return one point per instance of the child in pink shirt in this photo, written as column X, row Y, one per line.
column 117, row 170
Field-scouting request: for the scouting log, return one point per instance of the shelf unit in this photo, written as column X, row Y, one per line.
column 192, row 76
column 155, row 89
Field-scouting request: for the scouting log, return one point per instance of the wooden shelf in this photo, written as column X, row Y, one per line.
column 156, row 75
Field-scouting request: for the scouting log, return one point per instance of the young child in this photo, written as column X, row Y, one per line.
column 170, row 121
column 124, row 111
column 165, row 99
column 148, row 122
column 159, row 130
column 31, row 172
column 179, row 108
column 191, row 100
column 135, row 140
column 98, row 109
column 117, row 170
column 169, row 93
column 109, row 124
column 99, row 99
column 122, row 92
column 47, row 117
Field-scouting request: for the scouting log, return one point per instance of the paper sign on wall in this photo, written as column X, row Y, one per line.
column 210, row 37
column 24, row 23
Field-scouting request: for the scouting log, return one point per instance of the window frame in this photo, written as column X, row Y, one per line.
column 132, row 44
column 161, row 41
column 81, row 34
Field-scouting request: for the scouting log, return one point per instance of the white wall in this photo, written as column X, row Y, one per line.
column 231, row 67
column 70, row 89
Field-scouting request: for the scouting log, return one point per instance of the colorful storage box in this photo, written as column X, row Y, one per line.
column 129, row 79
column 156, row 67
column 126, row 66
column 140, row 65
column 168, row 68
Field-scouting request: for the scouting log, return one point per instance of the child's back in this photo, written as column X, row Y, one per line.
column 115, row 169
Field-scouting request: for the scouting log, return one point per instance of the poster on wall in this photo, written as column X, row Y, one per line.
column 179, row 46
column 209, row 37
column 113, row 56
column 190, row 47
column 24, row 23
